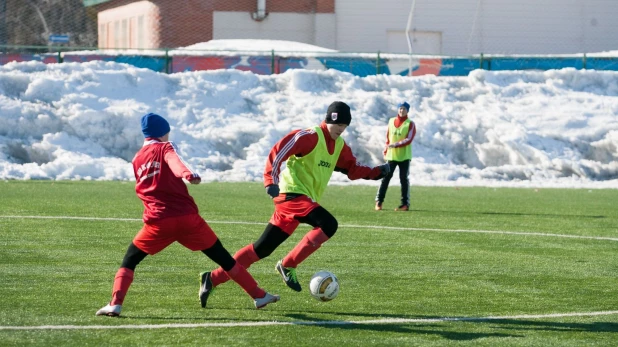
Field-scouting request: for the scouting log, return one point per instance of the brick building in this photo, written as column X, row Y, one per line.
column 438, row 27
column 179, row 23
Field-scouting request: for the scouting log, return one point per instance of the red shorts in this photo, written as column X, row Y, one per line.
column 190, row 231
column 286, row 212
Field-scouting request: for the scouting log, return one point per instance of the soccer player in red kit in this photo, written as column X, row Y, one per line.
column 170, row 214
column 312, row 155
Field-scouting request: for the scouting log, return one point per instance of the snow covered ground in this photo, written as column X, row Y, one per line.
column 556, row 128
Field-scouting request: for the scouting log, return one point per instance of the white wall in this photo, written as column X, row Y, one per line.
column 481, row 26
column 130, row 26
column 314, row 29
column 325, row 30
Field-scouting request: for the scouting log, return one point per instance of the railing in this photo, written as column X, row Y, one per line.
column 274, row 62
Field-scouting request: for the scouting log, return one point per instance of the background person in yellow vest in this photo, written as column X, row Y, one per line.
column 398, row 153
column 312, row 155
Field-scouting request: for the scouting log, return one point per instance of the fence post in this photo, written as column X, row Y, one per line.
column 167, row 61
column 584, row 61
column 60, row 60
column 378, row 64
column 481, row 61
column 272, row 62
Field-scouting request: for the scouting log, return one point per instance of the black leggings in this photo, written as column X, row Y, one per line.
column 133, row 257
column 217, row 253
column 273, row 236
column 220, row 255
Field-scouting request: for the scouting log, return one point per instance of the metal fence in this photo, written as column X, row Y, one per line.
column 274, row 62
column 137, row 32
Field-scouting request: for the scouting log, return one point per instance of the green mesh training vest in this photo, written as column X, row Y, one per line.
column 309, row 175
column 395, row 135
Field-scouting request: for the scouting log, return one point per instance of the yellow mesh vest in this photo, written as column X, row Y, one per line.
column 309, row 175
column 395, row 135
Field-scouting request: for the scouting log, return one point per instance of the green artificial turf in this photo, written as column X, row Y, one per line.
column 467, row 266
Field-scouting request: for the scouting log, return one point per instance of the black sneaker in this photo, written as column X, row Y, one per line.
column 403, row 208
column 206, row 287
column 289, row 276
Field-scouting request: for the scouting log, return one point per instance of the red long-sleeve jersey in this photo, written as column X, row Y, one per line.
column 409, row 138
column 302, row 142
column 159, row 171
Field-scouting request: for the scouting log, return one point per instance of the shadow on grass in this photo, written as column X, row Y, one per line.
column 422, row 329
column 511, row 327
column 419, row 328
column 421, row 325
column 596, row 327
column 303, row 316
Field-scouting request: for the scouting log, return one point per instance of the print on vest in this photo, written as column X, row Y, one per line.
column 325, row 164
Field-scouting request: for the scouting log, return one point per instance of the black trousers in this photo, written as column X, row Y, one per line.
column 404, row 171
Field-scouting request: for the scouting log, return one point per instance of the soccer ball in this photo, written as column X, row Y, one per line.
column 324, row 286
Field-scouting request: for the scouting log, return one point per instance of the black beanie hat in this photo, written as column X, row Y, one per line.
column 338, row 113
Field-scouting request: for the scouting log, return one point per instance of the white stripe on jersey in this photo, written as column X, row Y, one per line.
column 410, row 133
column 193, row 173
column 282, row 153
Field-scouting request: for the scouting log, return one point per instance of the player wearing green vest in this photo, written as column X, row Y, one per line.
column 398, row 153
column 312, row 155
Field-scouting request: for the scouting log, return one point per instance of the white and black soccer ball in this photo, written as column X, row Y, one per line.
column 324, row 286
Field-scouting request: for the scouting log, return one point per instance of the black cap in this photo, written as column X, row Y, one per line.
column 338, row 113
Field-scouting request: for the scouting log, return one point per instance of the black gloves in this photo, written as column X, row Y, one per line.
column 385, row 169
column 273, row 190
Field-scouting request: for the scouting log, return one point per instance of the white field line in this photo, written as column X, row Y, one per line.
column 314, row 323
column 272, row 323
column 524, row 233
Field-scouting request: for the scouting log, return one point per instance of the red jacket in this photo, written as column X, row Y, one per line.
column 159, row 171
column 301, row 142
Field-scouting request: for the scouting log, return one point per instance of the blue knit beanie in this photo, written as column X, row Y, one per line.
column 404, row 104
column 154, row 125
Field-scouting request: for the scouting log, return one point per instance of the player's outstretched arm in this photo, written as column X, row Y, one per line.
column 348, row 165
column 179, row 166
